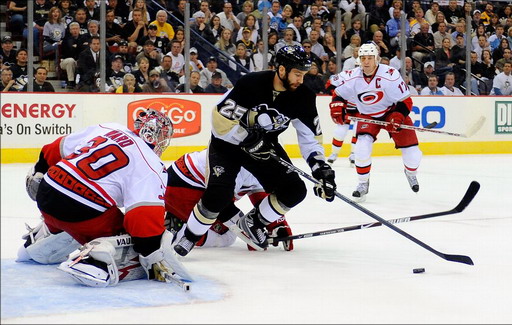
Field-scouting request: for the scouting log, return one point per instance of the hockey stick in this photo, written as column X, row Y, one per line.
column 172, row 278
column 448, row 257
column 471, row 131
column 468, row 197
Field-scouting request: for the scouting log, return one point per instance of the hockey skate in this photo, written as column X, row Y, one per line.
column 352, row 159
column 360, row 193
column 253, row 228
column 182, row 243
column 413, row 181
column 332, row 158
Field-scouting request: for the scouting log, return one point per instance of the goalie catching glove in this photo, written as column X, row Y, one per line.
column 325, row 175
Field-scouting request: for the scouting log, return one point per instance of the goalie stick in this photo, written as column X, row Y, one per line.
column 468, row 197
column 174, row 279
column 470, row 132
column 449, row 257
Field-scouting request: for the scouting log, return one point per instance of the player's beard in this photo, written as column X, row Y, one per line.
column 289, row 86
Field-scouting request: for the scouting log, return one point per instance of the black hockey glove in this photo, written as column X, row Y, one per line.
column 326, row 188
column 254, row 144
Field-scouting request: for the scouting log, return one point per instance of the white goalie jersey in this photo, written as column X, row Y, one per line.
column 373, row 96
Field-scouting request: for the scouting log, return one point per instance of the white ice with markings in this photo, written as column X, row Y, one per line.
column 362, row 276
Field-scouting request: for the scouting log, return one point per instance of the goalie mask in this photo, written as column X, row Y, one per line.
column 155, row 129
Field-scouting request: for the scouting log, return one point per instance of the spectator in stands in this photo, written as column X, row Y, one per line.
column 432, row 88
column 179, row 36
column 316, row 46
column 394, row 26
column 179, row 13
column 507, row 57
column 41, row 11
column 8, row 54
column 477, row 68
column 423, row 47
column 396, row 4
column 422, row 78
column 242, row 59
column 142, row 7
column 216, row 87
column 449, row 88
column 329, row 44
column 205, row 8
column 18, row 9
column 247, row 8
column 441, row 34
column 164, row 29
column 20, row 68
column 485, row 18
column 489, row 68
column 495, row 39
column 228, row 19
column 225, row 45
column 491, row 28
column 500, row 50
column 250, row 25
column 113, row 31
column 201, row 28
column 418, row 21
column 39, row 83
column 161, row 43
column 195, row 63
column 166, row 73
column 7, row 81
column 216, row 28
column 193, row 84
column 332, row 69
column 476, row 21
column 68, row 13
column 88, row 66
column 313, row 80
column 312, row 12
column 355, row 41
column 412, row 8
column 135, row 29
column 53, row 33
column 354, row 10
column 299, row 8
column 81, row 19
column 211, row 68
column 443, row 61
column 115, row 74
column 431, row 14
column 412, row 89
column 351, row 62
column 460, row 28
column 440, row 19
column 142, row 72
column 151, row 53
column 259, row 57
column 357, row 29
column 287, row 39
column 130, row 85
column 91, row 11
column 121, row 11
column 483, row 44
column 502, row 84
column 298, row 28
column 453, row 12
column 285, row 19
column 396, row 61
column 128, row 58
column 479, row 31
column 379, row 15
column 384, row 46
column 412, row 74
column 155, row 84
column 459, row 51
column 178, row 60
column 307, row 45
column 274, row 16
column 72, row 46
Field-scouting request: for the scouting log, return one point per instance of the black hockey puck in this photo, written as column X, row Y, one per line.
column 420, row 270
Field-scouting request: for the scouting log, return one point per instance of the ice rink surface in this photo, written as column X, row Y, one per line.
column 362, row 276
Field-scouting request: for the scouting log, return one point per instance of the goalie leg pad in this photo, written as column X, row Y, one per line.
column 94, row 266
column 44, row 247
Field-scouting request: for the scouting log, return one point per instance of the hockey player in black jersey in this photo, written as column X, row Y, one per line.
column 245, row 129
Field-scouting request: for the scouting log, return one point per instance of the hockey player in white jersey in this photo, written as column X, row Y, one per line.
column 81, row 181
column 185, row 187
column 378, row 92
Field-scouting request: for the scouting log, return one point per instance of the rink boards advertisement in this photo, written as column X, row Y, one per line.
column 29, row 121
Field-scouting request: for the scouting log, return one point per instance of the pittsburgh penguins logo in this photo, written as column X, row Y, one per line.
column 370, row 97
column 218, row 170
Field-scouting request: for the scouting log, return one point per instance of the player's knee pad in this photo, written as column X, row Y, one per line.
column 363, row 150
column 44, row 247
column 411, row 157
column 340, row 131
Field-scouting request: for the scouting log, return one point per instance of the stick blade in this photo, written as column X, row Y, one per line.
column 473, row 189
column 459, row 259
column 475, row 127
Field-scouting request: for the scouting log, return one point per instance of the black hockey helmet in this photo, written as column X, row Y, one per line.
column 293, row 56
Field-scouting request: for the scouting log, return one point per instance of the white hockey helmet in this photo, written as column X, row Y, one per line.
column 155, row 129
column 369, row 48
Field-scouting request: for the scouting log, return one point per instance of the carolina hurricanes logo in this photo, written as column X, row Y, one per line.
column 390, row 71
column 370, row 97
